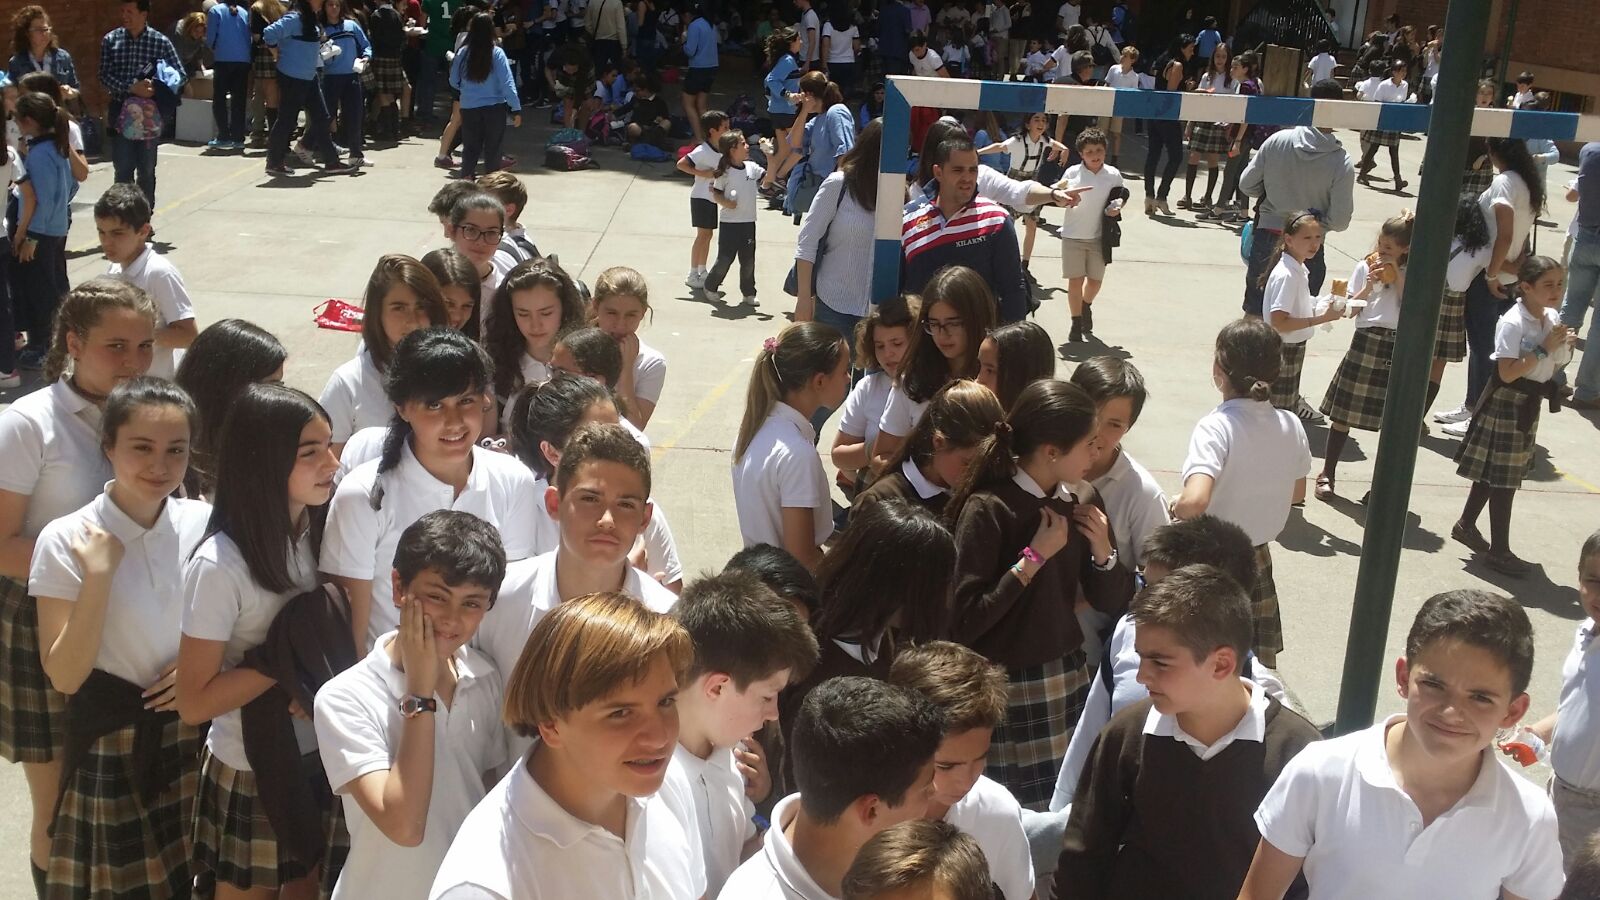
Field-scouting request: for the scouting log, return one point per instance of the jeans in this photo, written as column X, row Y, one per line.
column 844, row 75
column 426, row 86
column 40, row 286
column 1164, row 135
column 735, row 239
column 1263, row 244
column 1583, row 279
column 295, row 94
column 482, row 130
column 342, row 93
column 230, row 92
column 133, row 161
column 1483, row 313
column 846, row 326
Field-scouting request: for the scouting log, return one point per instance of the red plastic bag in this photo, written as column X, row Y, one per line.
column 337, row 315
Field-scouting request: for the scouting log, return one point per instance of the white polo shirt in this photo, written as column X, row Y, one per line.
column 1084, row 221
column 781, row 470
column 720, row 811
column 900, row 412
column 360, row 541
column 364, row 445
column 649, row 373
column 1289, row 290
column 222, row 602
column 157, row 276
column 519, row 844
column 1337, row 805
column 1383, row 304
column 863, row 408
column 927, row 64
column 1255, row 453
column 994, row 819
column 1517, row 334
column 50, row 453
column 354, row 397
column 703, row 156
column 139, row 641
column 660, row 548
column 1134, row 503
column 775, row 873
column 1575, row 757
column 358, row 732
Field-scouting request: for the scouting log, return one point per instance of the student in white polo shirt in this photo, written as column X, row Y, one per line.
column 439, row 392
column 408, row 735
column 862, row 753
column 122, row 218
column 1419, row 805
column 581, row 814
column 749, row 644
column 1134, row 502
column 1083, row 255
column 972, row 695
column 401, row 296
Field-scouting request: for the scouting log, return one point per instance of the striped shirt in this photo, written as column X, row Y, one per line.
column 980, row 236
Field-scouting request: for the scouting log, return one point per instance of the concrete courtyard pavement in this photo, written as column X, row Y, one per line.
column 271, row 251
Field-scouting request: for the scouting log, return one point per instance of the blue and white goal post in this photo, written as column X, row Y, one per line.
column 902, row 92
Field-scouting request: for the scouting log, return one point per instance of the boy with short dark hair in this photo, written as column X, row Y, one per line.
column 1418, row 805
column 408, row 734
column 863, row 759
column 749, row 644
column 1134, row 502
column 919, row 859
column 444, row 200
column 122, row 218
column 1164, row 807
column 701, row 162
column 971, row 693
column 1100, row 198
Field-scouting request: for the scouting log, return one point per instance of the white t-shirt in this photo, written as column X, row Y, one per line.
column 1383, row 304
column 1026, row 153
column 50, row 453
column 157, row 276
column 901, row 413
column 360, row 541
column 1255, row 453
column 1289, row 289
column 358, row 732
column 1069, row 15
column 1035, row 62
column 775, row 873
column 1519, row 331
column 1509, row 190
column 1384, row 90
column 1118, row 77
column 1134, row 504
column 744, row 185
column 1322, row 66
column 649, row 373
column 703, row 156
column 994, row 819
column 927, row 64
column 139, row 641
column 222, row 602
column 519, row 844
column 1576, row 756
column 1464, row 266
column 660, row 547
column 1337, row 805
column 721, row 812
column 810, row 36
column 864, row 407
column 841, row 44
column 1063, row 70
column 1084, row 221
column 354, row 397
column 781, row 470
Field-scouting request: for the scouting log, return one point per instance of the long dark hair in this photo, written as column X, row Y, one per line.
column 1049, row 411
column 1174, row 54
column 480, row 47
column 310, row 30
column 549, row 413
column 963, row 413
column 1026, row 355
column 896, row 559
column 778, row 44
column 137, row 393
column 503, row 339
column 396, row 270
column 52, row 119
column 925, row 369
column 260, row 444
column 1514, row 157
column 429, row 365
column 860, row 165
column 1249, row 353
column 226, row 356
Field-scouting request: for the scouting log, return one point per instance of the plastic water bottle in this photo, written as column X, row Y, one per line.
column 1523, row 746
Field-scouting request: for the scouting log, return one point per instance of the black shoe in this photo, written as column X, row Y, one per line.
column 1088, row 319
column 1077, row 330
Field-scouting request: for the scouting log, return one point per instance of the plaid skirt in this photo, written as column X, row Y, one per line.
column 388, row 76
column 1286, row 390
column 1451, row 343
column 1355, row 396
column 1209, row 137
column 1496, row 450
column 1476, row 181
column 232, row 836
column 1026, row 212
column 1264, row 613
column 33, row 715
column 262, row 65
column 1380, row 138
column 1043, row 703
column 107, row 842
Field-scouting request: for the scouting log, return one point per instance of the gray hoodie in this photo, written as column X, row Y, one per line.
column 1302, row 168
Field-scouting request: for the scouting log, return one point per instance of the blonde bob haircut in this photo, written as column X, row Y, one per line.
column 585, row 650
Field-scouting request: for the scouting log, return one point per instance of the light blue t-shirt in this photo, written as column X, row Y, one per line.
column 53, row 187
column 700, row 44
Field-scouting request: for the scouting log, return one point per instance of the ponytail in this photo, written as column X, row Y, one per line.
column 993, row 462
column 1249, row 353
column 1048, row 412
column 53, row 121
column 81, row 310
column 729, row 139
column 784, row 365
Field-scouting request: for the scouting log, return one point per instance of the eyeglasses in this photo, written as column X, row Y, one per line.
column 486, row 235
column 947, row 327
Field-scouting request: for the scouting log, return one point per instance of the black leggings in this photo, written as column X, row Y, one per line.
column 1164, row 135
column 1368, row 159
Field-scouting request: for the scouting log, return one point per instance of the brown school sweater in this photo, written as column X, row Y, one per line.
column 895, row 486
column 1151, row 819
column 832, row 662
column 995, row 615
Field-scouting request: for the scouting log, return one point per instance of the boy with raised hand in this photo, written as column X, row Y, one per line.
column 972, row 695
column 749, row 644
column 408, row 734
column 863, row 760
column 122, row 219
column 1164, row 807
column 1419, row 805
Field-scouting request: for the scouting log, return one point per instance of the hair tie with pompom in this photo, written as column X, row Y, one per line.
column 770, row 345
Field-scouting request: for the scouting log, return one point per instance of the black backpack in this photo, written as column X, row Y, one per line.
column 1101, row 53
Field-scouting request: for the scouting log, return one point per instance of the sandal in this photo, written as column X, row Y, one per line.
column 1469, row 536
column 1325, row 489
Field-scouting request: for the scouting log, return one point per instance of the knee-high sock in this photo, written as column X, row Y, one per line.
column 1500, row 518
column 1188, row 180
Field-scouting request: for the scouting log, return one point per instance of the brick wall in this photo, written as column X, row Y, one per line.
column 80, row 24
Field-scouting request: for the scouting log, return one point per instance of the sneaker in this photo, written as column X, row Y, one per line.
column 341, row 168
column 443, row 162
column 752, row 302
column 1456, row 429
column 303, row 153
column 361, row 161
column 1450, row 417
column 280, row 170
column 1308, row 414
column 217, row 144
column 507, row 162
column 1211, row 214
column 696, row 280
column 713, row 296
column 10, row 380
column 31, row 360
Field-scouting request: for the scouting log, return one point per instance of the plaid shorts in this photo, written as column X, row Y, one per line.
column 231, row 834
column 1380, row 138
column 33, row 715
column 1496, row 451
column 1286, row 390
column 105, row 841
column 1209, row 137
column 1355, row 396
column 1264, row 612
column 388, row 76
column 1451, row 343
column 1043, row 703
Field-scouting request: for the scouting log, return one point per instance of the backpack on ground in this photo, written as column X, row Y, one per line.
column 569, row 137
column 566, row 158
column 649, row 153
